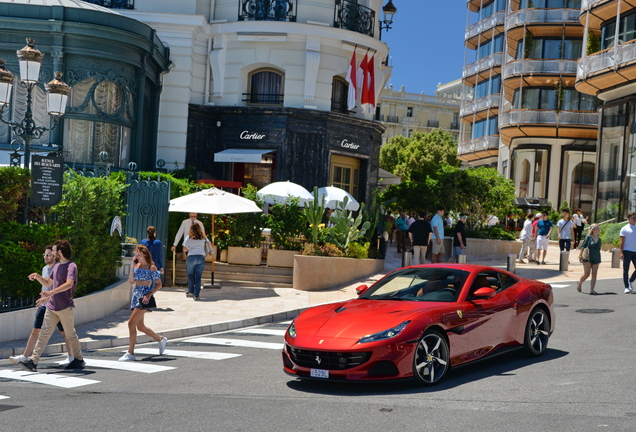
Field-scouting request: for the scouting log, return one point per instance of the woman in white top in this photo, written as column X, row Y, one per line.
column 194, row 245
column 526, row 238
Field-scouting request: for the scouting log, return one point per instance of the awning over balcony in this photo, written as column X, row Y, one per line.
column 387, row 178
column 244, row 156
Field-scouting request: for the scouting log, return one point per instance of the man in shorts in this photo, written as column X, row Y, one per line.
column 437, row 224
column 544, row 229
column 49, row 260
column 628, row 251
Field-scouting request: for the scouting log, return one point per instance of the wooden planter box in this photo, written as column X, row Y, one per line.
column 244, row 256
column 313, row 273
column 281, row 258
column 222, row 256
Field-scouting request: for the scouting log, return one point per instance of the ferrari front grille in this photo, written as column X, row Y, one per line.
column 327, row 359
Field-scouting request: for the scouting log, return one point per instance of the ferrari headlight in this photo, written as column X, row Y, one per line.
column 386, row 334
column 291, row 331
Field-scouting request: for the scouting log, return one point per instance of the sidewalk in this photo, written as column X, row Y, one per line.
column 234, row 307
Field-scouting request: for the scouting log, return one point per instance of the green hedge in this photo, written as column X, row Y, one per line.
column 610, row 233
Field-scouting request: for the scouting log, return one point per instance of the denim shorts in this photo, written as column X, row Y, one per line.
column 39, row 319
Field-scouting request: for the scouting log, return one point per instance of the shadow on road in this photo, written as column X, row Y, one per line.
column 503, row 365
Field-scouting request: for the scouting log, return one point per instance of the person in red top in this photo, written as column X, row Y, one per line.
column 60, row 306
column 533, row 240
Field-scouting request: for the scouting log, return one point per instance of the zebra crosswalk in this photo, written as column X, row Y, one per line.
column 212, row 347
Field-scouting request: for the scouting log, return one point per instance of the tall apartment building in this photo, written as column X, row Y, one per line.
column 404, row 113
column 608, row 71
column 527, row 118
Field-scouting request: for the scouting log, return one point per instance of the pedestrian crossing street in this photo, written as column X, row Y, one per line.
column 274, row 330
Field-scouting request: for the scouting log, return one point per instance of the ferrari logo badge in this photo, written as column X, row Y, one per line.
column 318, row 360
column 321, row 341
column 460, row 314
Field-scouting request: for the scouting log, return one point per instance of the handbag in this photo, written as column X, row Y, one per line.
column 151, row 303
column 209, row 249
column 585, row 255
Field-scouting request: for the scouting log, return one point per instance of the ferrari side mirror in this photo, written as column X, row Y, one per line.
column 361, row 289
column 485, row 292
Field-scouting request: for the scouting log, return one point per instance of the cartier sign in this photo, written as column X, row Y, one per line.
column 346, row 144
column 247, row 135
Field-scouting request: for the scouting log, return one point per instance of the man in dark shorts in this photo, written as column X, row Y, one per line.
column 49, row 260
column 420, row 234
column 60, row 306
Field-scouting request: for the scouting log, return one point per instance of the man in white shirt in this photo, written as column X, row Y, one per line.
column 628, row 251
column 526, row 238
column 579, row 223
column 184, row 229
column 566, row 232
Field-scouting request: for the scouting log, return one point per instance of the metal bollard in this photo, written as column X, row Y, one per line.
column 461, row 259
column 406, row 258
column 512, row 263
column 616, row 258
column 564, row 261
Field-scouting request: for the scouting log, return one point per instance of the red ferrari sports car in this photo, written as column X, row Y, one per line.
column 418, row 322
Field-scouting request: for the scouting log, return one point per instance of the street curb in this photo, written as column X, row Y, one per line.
column 122, row 341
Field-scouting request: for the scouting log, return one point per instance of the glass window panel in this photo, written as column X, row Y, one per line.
column 548, row 101
column 607, row 35
column 551, row 48
column 530, row 99
column 588, row 102
column 573, row 49
column 108, row 97
column 497, row 43
column 628, row 23
column 570, row 100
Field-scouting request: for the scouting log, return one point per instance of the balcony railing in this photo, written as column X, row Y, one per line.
column 548, row 117
column 543, row 16
column 485, row 63
column 392, row 119
column 264, row 98
column 478, row 144
column 433, row 123
column 589, row 4
column 114, row 4
column 553, row 67
column 481, row 104
column 354, row 17
column 614, row 57
column 493, row 20
column 267, row 10
column 454, row 126
column 339, row 107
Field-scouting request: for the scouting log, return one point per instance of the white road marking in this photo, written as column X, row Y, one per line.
column 57, row 380
column 236, row 343
column 4, row 397
column 560, row 285
column 285, row 322
column 256, row 331
column 190, row 354
column 142, row 367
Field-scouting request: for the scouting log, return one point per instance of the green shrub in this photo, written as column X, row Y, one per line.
column 357, row 250
column 14, row 187
column 328, row 249
column 490, row 232
column 288, row 226
column 610, row 233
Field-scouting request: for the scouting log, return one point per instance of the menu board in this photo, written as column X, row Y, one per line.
column 46, row 180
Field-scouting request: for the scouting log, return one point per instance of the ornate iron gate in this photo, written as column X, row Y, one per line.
column 147, row 204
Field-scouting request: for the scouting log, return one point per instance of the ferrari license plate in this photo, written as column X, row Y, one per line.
column 319, row 373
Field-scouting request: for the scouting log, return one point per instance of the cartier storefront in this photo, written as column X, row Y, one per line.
column 258, row 146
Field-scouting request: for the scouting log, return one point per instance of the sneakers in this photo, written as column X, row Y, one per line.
column 196, row 298
column 543, row 262
column 67, row 361
column 188, row 294
column 28, row 365
column 76, row 364
column 17, row 359
column 162, row 345
column 628, row 290
column 127, row 357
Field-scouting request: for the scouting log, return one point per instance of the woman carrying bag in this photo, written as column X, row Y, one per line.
column 197, row 246
column 147, row 280
column 590, row 256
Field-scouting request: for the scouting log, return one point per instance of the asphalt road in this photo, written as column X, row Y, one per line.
column 584, row 382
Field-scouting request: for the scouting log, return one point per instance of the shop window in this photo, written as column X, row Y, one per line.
column 266, row 88
column 409, row 111
column 579, row 177
column 339, row 95
column 529, row 172
column 345, row 174
column 85, row 140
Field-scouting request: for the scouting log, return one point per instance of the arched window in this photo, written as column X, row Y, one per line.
column 339, row 95
column 265, row 88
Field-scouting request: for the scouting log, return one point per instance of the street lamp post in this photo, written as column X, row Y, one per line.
column 30, row 59
column 388, row 10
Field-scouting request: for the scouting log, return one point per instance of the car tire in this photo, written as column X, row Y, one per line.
column 431, row 358
column 537, row 332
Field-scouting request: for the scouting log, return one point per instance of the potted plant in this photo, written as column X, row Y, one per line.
column 128, row 246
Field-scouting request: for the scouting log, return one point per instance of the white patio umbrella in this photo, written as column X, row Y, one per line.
column 333, row 195
column 279, row 193
column 212, row 201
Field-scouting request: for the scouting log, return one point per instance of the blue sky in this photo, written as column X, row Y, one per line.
column 426, row 43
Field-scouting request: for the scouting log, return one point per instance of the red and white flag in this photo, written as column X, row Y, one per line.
column 352, row 80
column 363, row 81
column 369, row 105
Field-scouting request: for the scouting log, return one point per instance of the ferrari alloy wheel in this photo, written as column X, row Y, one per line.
column 537, row 332
column 430, row 362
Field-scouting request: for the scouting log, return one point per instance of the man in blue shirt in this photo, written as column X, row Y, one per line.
column 437, row 224
column 544, row 229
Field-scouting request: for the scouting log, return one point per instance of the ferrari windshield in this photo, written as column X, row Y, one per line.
column 429, row 284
